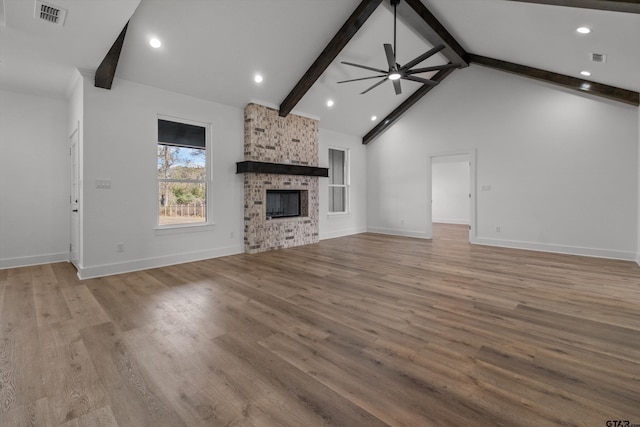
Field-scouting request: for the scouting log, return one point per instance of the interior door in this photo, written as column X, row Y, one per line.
column 74, row 199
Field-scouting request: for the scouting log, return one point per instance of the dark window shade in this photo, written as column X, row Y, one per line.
column 181, row 134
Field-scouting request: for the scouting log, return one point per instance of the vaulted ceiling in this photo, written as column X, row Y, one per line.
column 213, row 49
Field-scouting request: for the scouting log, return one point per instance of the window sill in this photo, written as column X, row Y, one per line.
column 181, row 229
column 337, row 214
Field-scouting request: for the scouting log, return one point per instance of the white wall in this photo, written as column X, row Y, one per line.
column 355, row 221
column 450, row 189
column 563, row 167
column 119, row 144
column 638, row 231
column 34, row 184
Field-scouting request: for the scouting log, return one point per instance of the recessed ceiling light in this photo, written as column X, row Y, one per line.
column 585, row 73
column 257, row 78
column 155, row 43
column 374, row 118
column 583, row 30
column 330, row 103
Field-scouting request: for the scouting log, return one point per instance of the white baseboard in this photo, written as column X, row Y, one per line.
column 144, row 264
column 395, row 232
column 451, row 221
column 638, row 258
column 558, row 249
column 33, row 260
column 342, row 233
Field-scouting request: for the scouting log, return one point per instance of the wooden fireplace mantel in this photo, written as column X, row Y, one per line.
column 249, row 166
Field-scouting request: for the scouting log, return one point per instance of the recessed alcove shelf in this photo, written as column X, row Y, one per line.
column 249, row 166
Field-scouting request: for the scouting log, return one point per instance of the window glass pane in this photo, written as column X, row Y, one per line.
column 182, row 203
column 181, row 163
column 337, row 199
column 336, row 167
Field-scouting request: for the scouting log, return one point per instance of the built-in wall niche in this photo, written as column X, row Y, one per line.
column 286, row 204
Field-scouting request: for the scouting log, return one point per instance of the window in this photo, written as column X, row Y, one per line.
column 338, row 181
column 182, row 173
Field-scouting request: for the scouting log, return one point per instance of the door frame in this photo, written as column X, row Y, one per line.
column 472, row 190
column 75, row 217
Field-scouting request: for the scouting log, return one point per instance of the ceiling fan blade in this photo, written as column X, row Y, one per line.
column 374, row 86
column 433, row 68
column 396, row 86
column 365, row 67
column 391, row 58
column 421, row 58
column 421, row 80
column 362, row 78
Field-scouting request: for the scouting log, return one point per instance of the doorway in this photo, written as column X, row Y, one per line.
column 452, row 195
column 74, row 197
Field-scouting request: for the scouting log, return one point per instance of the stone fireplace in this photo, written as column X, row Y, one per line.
column 281, row 157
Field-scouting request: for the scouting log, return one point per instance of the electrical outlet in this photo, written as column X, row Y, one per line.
column 402, row 222
column 103, row 184
column 498, row 229
column 120, row 247
column 231, row 234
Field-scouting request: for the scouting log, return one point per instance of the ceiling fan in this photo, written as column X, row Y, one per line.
column 396, row 72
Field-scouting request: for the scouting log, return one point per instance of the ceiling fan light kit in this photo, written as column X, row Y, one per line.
column 397, row 72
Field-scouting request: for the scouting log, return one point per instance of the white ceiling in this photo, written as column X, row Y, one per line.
column 544, row 36
column 39, row 57
column 212, row 49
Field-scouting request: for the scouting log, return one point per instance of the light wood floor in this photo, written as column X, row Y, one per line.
column 366, row 330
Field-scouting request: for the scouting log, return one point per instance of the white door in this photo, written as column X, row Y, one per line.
column 74, row 199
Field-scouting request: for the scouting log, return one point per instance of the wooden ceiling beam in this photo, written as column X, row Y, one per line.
column 581, row 85
column 388, row 121
column 627, row 6
column 330, row 52
column 107, row 69
column 415, row 15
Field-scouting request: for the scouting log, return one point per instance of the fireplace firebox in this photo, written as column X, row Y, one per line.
column 284, row 203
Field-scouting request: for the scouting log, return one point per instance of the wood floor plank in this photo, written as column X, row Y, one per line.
column 135, row 399
column 20, row 355
column 29, row 415
column 21, row 367
column 72, row 385
column 101, row 417
column 83, row 306
column 323, row 406
column 65, row 272
column 50, row 303
column 18, row 308
column 367, row 329
column 177, row 378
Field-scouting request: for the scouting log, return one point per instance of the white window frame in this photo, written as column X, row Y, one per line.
column 346, row 185
column 169, row 228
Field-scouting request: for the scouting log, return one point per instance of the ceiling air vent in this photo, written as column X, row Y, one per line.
column 50, row 13
column 598, row 57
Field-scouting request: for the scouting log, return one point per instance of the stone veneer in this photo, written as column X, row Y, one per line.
column 288, row 140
